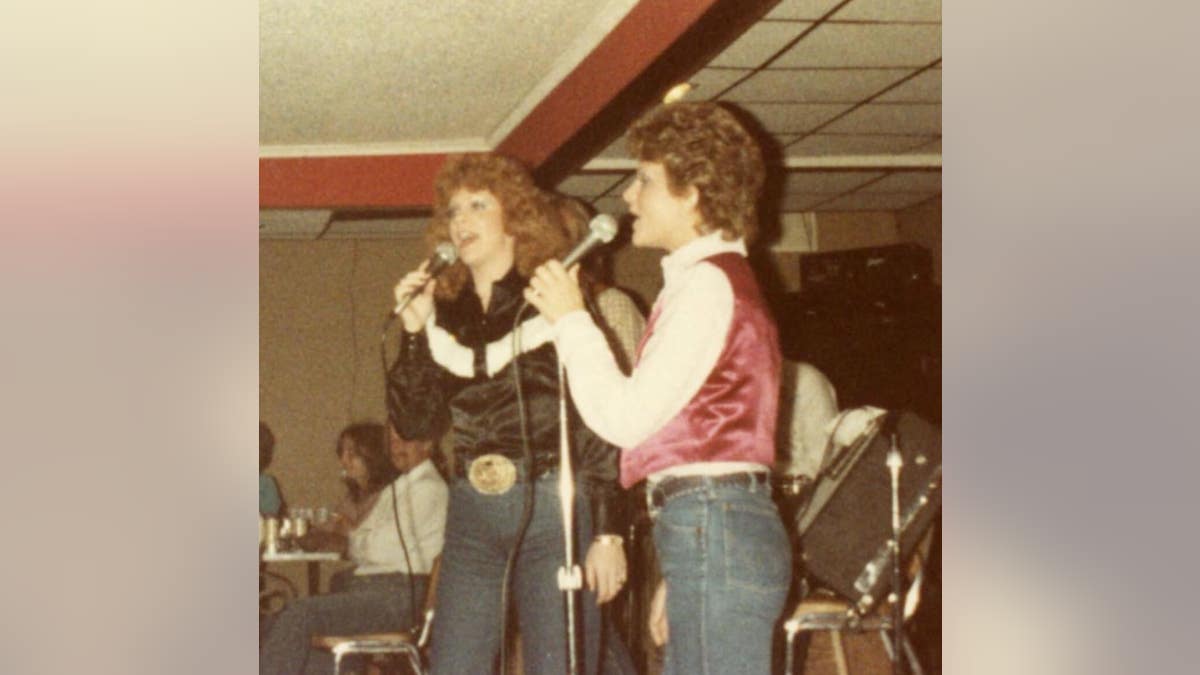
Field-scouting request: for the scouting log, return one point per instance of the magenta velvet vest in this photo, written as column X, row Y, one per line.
column 732, row 416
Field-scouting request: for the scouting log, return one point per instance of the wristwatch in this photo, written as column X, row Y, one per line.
column 613, row 539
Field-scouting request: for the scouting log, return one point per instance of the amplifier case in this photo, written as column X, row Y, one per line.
column 846, row 530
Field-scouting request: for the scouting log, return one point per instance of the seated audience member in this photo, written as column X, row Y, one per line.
column 807, row 405
column 270, row 503
column 380, row 595
column 366, row 469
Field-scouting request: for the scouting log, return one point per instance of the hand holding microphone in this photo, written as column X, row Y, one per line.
column 414, row 293
column 553, row 289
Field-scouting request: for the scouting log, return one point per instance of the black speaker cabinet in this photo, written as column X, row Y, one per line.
column 846, row 530
column 897, row 274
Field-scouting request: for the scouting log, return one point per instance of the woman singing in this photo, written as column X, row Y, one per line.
column 456, row 359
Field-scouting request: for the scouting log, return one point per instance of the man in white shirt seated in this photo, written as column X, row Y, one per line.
column 381, row 595
column 807, row 403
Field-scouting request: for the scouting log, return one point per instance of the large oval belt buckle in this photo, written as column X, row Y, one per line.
column 492, row 474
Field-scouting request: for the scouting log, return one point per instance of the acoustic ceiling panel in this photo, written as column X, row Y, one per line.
column 897, row 118
column 891, row 10
column 908, row 181
column 588, row 184
column 815, row 86
column 759, row 43
column 924, row 88
column 848, row 45
column 875, row 201
column 855, row 144
column 792, row 118
column 827, row 182
column 802, row 9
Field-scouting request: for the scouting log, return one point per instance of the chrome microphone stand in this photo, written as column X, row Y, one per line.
column 570, row 576
column 894, row 463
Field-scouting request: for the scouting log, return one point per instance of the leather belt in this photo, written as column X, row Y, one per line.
column 792, row 484
column 661, row 492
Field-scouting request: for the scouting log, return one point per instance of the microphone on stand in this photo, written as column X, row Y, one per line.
column 443, row 256
column 601, row 230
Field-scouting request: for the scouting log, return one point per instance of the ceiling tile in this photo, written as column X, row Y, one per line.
column 376, row 228
column 794, row 117
column 711, row 81
column 759, row 43
column 612, row 205
column 801, row 9
column 934, row 147
column 898, row 118
column 615, row 150
column 826, row 182
column 802, row 201
column 622, row 186
column 865, row 45
column 924, row 88
column 854, row 144
column 588, row 184
column 891, row 10
column 815, row 86
column 929, row 182
column 875, row 201
column 292, row 223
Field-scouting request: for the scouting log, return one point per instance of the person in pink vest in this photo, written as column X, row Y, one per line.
column 695, row 420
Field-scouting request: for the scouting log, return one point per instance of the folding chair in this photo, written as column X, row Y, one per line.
column 409, row 644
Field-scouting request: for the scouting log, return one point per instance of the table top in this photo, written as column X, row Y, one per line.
column 300, row 556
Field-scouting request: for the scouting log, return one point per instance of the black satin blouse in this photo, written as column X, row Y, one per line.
column 482, row 411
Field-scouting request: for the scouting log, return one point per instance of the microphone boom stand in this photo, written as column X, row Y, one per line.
column 894, row 462
column 570, row 576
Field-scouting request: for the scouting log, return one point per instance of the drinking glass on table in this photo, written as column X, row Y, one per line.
column 285, row 534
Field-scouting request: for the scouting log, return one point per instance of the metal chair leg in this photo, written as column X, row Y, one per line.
column 913, row 664
column 839, row 652
column 789, row 658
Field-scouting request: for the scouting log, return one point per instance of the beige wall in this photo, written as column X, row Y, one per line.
column 321, row 307
column 840, row 231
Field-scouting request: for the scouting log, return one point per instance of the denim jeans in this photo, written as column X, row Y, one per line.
column 480, row 532
column 370, row 603
column 726, row 561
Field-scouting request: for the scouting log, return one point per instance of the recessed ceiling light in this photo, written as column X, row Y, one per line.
column 677, row 92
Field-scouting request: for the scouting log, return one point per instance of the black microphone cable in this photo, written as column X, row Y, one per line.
column 444, row 254
column 412, row 584
column 527, row 508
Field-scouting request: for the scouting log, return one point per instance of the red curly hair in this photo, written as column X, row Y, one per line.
column 702, row 144
column 528, row 215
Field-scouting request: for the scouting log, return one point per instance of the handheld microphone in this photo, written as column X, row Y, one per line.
column 443, row 256
column 601, row 230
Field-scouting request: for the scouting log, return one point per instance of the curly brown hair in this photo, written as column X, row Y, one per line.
column 702, row 144
column 528, row 215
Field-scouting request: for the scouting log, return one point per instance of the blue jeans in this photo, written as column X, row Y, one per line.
column 480, row 532
column 726, row 561
column 370, row 603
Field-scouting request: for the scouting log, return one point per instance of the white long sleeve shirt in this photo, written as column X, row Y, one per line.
column 421, row 500
column 694, row 311
column 807, row 403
